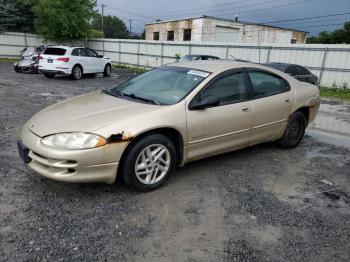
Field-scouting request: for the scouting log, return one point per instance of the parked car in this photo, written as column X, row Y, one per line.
column 188, row 58
column 297, row 71
column 29, row 60
column 73, row 61
column 164, row 118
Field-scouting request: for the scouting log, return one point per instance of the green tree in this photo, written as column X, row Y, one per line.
column 113, row 27
column 63, row 20
column 338, row 36
column 26, row 9
column 10, row 15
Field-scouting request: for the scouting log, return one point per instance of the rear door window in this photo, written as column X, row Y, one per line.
column 78, row 52
column 55, row 51
column 266, row 84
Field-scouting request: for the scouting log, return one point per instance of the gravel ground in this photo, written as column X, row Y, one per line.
column 257, row 204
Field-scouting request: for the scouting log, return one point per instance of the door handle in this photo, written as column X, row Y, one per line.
column 288, row 100
column 246, row 109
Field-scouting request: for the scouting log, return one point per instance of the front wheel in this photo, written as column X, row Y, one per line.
column 148, row 163
column 294, row 132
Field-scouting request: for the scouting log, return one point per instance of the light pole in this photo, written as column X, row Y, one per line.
column 130, row 26
column 102, row 9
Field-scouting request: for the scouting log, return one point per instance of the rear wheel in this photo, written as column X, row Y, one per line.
column 148, row 163
column 295, row 131
column 77, row 72
column 49, row 75
column 108, row 70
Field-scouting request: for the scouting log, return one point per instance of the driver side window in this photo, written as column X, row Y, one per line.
column 228, row 89
column 90, row 53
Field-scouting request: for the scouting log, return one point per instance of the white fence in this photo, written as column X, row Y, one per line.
column 331, row 63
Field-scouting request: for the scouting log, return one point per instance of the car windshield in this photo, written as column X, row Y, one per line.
column 164, row 85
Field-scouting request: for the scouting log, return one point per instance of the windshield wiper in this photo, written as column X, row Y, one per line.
column 120, row 94
column 148, row 100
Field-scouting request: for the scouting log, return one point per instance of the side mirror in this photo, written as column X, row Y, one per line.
column 100, row 56
column 204, row 103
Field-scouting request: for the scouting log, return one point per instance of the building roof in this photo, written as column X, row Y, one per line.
column 227, row 20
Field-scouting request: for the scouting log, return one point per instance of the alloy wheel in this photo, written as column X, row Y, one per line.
column 152, row 164
column 77, row 72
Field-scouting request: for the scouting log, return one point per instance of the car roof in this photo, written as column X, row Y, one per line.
column 281, row 64
column 65, row 46
column 196, row 55
column 214, row 66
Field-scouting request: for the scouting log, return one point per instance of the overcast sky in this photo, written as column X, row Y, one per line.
column 261, row 11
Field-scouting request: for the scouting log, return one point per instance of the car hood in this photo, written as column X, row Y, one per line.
column 85, row 113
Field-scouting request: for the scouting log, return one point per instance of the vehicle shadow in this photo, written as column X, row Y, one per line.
column 69, row 78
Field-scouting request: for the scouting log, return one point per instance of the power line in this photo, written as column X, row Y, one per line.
column 325, row 20
column 130, row 12
column 273, row 7
column 226, row 9
column 306, row 18
column 199, row 8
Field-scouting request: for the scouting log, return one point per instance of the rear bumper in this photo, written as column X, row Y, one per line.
column 60, row 72
column 76, row 166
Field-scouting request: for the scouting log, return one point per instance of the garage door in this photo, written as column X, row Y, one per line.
column 226, row 34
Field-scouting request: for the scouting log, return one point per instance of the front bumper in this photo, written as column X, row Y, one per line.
column 76, row 166
column 25, row 69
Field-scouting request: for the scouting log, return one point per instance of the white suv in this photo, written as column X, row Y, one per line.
column 74, row 61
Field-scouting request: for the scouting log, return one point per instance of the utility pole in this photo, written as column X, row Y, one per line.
column 130, row 26
column 102, row 7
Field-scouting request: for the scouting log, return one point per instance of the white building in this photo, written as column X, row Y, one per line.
column 214, row 29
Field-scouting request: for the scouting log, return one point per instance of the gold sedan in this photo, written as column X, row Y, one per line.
column 142, row 129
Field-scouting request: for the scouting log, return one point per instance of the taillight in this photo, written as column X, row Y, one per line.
column 63, row 59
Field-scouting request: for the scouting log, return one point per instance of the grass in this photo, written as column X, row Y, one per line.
column 343, row 93
column 8, row 59
column 135, row 69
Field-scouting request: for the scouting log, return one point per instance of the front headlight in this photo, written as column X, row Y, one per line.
column 76, row 140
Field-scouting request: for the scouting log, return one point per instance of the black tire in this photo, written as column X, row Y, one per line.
column 108, row 70
column 294, row 132
column 49, row 75
column 132, row 154
column 77, row 72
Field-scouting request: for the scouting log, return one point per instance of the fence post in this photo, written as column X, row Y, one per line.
column 268, row 54
column 25, row 40
column 227, row 51
column 162, row 54
column 103, row 47
column 138, row 53
column 120, row 51
column 323, row 64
